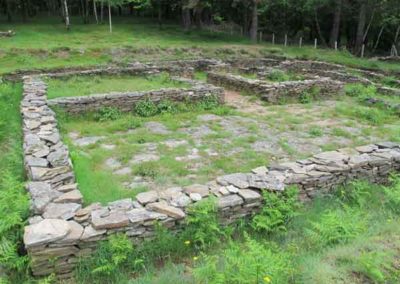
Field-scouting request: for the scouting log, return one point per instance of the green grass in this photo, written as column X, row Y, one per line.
column 46, row 44
column 83, row 86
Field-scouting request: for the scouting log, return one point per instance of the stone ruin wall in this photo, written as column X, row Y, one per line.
column 272, row 92
column 61, row 230
column 125, row 101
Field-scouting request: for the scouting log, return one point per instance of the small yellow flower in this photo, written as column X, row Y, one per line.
column 187, row 243
column 195, row 258
column 267, row 279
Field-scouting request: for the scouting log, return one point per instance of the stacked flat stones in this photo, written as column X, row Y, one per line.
column 125, row 101
column 61, row 231
column 272, row 92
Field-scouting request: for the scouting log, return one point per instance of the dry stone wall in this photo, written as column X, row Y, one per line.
column 272, row 92
column 61, row 229
column 126, row 101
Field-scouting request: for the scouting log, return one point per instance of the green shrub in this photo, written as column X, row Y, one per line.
column 250, row 262
column 279, row 208
column 278, row 76
column 336, row 227
column 107, row 114
column 146, row 108
column 166, row 106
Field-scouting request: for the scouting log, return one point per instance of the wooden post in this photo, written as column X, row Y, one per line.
column 273, row 38
column 315, row 43
column 336, row 45
column 300, row 42
column 285, row 40
column 362, row 50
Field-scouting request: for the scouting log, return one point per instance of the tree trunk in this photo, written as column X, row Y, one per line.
column 379, row 38
column 159, row 13
column 360, row 27
column 101, row 12
column 396, row 36
column 197, row 17
column 109, row 16
column 24, row 12
column 66, row 14
column 186, row 16
column 8, row 10
column 336, row 24
column 95, row 12
column 254, row 21
column 321, row 37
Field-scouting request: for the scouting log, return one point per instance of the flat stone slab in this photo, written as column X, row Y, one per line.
column 112, row 163
column 73, row 196
column 239, row 180
column 123, row 171
column 91, row 232
column 86, row 141
column 147, row 197
column 156, row 128
column 171, row 143
column 42, row 194
column 64, row 211
column 229, row 201
column 146, row 157
column 46, row 231
column 141, row 215
column 249, row 195
column 109, row 219
column 197, row 188
column 164, row 208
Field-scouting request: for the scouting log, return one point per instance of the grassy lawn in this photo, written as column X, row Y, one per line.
column 46, row 44
column 83, row 86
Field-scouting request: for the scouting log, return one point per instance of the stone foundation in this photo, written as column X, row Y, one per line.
column 61, row 230
column 273, row 92
column 126, row 101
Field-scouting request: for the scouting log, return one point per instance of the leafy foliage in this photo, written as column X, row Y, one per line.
column 250, row 262
column 107, row 114
column 112, row 258
column 336, row 227
column 202, row 224
column 278, row 210
column 146, row 108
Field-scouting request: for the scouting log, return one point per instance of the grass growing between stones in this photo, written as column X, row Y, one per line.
column 83, row 86
column 349, row 236
column 189, row 144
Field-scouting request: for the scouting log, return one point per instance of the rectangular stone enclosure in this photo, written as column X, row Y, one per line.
column 61, row 231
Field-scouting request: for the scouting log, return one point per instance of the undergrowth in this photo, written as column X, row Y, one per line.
column 14, row 203
column 346, row 237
